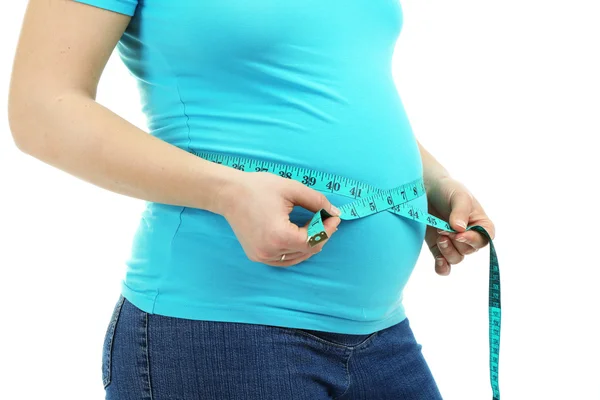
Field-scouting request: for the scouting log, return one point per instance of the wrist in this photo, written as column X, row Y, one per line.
column 433, row 171
column 432, row 177
column 227, row 191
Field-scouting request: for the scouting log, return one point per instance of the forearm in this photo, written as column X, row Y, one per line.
column 432, row 169
column 81, row 137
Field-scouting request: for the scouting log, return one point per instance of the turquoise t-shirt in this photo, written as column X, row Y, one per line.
column 302, row 82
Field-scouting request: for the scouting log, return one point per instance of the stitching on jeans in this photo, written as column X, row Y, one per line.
column 111, row 336
column 325, row 341
column 146, row 351
column 348, row 375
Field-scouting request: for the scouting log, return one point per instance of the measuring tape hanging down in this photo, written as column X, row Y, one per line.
column 370, row 200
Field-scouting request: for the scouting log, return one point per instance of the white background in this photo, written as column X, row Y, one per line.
column 505, row 94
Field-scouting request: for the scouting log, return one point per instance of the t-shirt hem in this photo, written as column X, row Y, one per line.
column 120, row 6
column 154, row 304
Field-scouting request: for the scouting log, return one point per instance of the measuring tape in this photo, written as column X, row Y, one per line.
column 370, row 200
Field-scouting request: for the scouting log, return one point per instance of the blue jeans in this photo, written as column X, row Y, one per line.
column 155, row 357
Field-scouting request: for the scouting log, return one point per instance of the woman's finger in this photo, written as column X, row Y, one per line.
column 298, row 249
column 441, row 264
column 289, row 257
column 471, row 238
column 297, row 260
column 462, row 247
column 301, row 236
column 448, row 250
column 461, row 204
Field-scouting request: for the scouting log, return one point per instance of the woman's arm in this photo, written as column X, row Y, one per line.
column 451, row 201
column 432, row 169
column 53, row 115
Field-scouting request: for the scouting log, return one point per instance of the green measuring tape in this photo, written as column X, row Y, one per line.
column 370, row 200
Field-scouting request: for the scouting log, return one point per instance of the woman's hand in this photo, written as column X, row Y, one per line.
column 451, row 201
column 257, row 206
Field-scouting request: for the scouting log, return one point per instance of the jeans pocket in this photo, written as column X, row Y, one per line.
column 108, row 342
column 336, row 339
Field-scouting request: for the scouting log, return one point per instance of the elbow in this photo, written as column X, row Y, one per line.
column 35, row 118
column 30, row 118
column 19, row 111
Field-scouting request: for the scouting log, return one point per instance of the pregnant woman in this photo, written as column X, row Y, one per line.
column 223, row 297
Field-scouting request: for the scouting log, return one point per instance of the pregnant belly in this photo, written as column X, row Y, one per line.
column 359, row 275
column 363, row 268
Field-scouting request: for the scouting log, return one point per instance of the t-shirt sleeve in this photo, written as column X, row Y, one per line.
column 126, row 7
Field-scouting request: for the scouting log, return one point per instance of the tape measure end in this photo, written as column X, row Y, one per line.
column 317, row 238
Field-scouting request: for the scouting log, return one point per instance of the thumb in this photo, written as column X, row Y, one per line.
column 461, row 204
column 312, row 200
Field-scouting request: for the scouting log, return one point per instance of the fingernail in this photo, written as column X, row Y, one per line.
column 462, row 239
column 444, row 244
column 462, row 224
column 336, row 211
column 444, row 270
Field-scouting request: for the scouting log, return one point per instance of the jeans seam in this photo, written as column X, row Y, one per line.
column 348, row 376
column 145, row 354
column 111, row 332
column 327, row 342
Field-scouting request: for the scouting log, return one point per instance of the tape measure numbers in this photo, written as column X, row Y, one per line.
column 370, row 200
